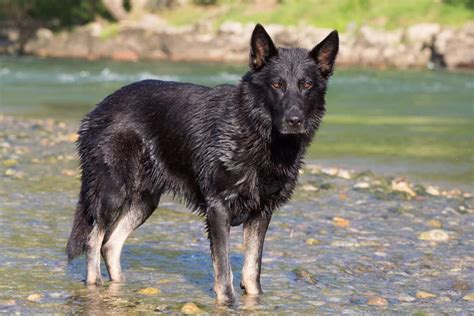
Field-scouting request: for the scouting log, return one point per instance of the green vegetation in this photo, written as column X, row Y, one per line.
column 339, row 14
column 50, row 13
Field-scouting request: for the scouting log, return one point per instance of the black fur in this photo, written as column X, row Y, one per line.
column 233, row 150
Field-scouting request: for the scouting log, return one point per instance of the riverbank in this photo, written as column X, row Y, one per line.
column 427, row 45
column 365, row 244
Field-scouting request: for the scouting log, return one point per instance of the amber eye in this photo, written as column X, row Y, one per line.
column 307, row 85
column 277, row 85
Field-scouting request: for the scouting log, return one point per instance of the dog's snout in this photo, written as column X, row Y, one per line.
column 294, row 121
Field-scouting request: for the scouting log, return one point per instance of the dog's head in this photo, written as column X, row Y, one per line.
column 292, row 81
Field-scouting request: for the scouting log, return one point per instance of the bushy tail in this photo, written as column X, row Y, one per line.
column 81, row 228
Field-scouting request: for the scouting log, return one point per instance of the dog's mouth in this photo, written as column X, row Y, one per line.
column 289, row 130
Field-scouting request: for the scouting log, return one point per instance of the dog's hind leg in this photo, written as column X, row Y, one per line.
column 94, row 244
column 112, row 248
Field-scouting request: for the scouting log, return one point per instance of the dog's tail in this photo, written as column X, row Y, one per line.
column 81, row 228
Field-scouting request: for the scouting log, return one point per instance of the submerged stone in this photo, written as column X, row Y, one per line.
column 377, row 301
column 191, row 309
column 437, row 235
column 149, row 291
column 469, row 297
column 425, row 295
column 35, row 297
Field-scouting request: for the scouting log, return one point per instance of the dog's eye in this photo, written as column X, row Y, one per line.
column 307, row 85
column 277, row 85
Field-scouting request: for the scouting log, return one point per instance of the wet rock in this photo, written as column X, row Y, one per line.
column 431, row 190
column 406, row 298
column 358, row 300
column 437, row 235
column 326, row 186
column 330, row 171
column 461, row 286
column 344, row 244
column 15, row 174
column 9, row 163
column 344, row 174
column 312, row 242
column 377, row 301
column 304, row 275
column 435, row 223
column 191, row 309
column 7, row 303
column 361, row 185
column 401, row 185
column 340, row 222
column 469, row 297
column 68, row 172
column 35, row 297
column 425, row 295
column 149, row 291
column 73, row 137
column 309, row 188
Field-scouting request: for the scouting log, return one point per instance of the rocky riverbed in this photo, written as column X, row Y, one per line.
column 422, row 45
column 348, row 242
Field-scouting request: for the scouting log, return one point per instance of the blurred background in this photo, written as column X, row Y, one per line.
column 382, row 218
column 400, row 101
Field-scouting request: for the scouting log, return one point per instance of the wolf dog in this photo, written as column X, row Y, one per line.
column 231, row 152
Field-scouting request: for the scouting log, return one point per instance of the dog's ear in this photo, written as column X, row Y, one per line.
column 261, row 48
column 325, row 53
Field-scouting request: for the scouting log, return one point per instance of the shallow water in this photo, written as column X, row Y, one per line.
column 369, row 260
column 414, row 123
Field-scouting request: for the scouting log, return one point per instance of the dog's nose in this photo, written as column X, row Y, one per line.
column 294, row 121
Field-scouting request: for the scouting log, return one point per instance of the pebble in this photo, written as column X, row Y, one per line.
column 469, row 297
column 72, row 137
column 422, row 294
column 330, row 171
column 302, row 274
column 402, row 186
column 406, row 298
column 435, row 223
column 377, row 301
column 340, row 221
column 35, row 297
column 309, row 188
column 6, row 303
column 432, row 190
column 345, row 244
column 9, row 163
column 437, row 235
column 461, row 286
column 312, row 242
column 68, row 172
column 148, row 291
column 191, row 309
column 358, row 299
column 361, row 185
column 344, row 174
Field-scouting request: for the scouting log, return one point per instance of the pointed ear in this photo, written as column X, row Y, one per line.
column 325, row 53
column 261, row 48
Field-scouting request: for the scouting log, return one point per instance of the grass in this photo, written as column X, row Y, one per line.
column 340, row 14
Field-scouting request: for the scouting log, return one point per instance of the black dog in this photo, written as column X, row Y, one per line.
column 232, row 152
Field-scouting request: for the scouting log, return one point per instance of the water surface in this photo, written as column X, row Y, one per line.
column 414, row 123
column 333, row 249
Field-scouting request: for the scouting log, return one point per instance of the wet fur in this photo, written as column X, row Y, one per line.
column 218, row 149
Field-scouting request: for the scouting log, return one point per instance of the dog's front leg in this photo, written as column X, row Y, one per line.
column 255, row 229
column 218, row 222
